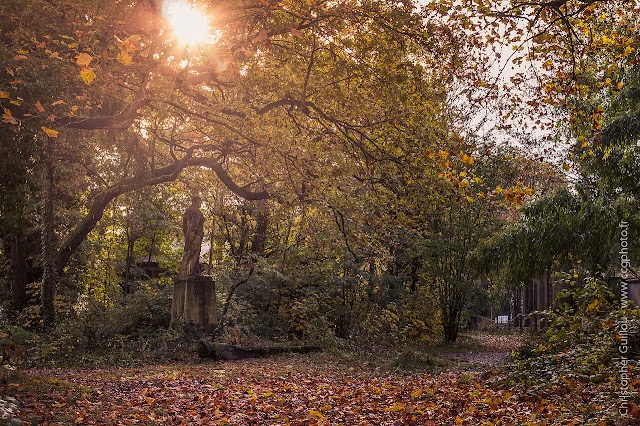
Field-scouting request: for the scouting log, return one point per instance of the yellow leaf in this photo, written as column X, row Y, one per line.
column 566, row 167
column 444, row 154
column 83, row 59
column 606, row 40
column 7, row 117
column 469, row 199
column 467, row 159
column 4, row 95
column 463, row 174
column 395, row 408
column 528, row 191
column 87, row 75
column 16, row 103
column 22, row 52
column 50, row 132
column 39, row 106
column 315, row 415
column 498, row 190
column 124, row 58
column 416, row 393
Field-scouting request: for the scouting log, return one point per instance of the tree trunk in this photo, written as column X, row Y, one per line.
column 19, row 278
column 48, row 245
column 260, row 236
column 131, row 242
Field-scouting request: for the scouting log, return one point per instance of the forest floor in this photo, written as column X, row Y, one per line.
column 457, row 385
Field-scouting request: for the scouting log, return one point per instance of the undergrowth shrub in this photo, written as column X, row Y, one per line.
column 134, row 327
column 582, row 342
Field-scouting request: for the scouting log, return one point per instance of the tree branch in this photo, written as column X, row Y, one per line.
column 164, row 174
column 118, row 121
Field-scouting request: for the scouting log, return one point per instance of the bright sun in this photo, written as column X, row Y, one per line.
column 188, row 25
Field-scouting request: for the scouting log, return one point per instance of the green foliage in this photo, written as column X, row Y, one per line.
column 410, row 359
column 554, row 231
column 137, row 327
column 582, row 339
column 13, row 342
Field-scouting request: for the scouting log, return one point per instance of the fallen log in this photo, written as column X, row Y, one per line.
column 224, row 351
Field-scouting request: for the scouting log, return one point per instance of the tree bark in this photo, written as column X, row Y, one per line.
column 131, row 241
column 259, row 242
column 18, row 249
column 48, row 290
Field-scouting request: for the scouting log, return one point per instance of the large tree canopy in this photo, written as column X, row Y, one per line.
column 292, row 101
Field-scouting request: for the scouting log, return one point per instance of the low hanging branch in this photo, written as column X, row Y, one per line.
column 157, row 176
column 115, row 122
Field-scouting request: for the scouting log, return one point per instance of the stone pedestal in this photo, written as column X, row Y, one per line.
column 194, row 300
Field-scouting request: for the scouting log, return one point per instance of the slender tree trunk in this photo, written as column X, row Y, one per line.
column 152, row 246
column 212, row 234
column 259, row 242
column 18, row 249
column 131, row 242
column 48, row 245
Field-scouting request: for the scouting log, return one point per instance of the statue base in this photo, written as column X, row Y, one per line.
column 194, row 301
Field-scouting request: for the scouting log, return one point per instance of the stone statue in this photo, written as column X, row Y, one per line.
column 193, row 229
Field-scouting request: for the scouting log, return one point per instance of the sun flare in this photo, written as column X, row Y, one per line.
column 188, row 25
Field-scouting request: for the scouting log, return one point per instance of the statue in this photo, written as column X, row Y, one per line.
column 194, row 294
column 193, row 229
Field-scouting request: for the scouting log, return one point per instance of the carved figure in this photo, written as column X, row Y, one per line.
column 193, row 229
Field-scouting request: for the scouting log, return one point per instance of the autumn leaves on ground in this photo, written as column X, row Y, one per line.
column 319, row 389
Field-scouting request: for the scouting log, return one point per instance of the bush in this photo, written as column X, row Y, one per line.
column 581, row 342
column 137, row 327
column 13, row 340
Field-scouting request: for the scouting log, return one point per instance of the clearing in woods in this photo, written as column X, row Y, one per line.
column 463, row 388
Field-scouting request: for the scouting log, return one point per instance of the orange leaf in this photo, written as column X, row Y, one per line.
column 83, row 59
column 39, row 106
